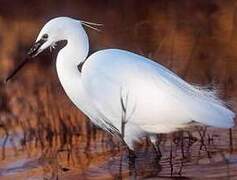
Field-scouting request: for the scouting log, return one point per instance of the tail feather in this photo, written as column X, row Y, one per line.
column 200, row 104
column 208, row 109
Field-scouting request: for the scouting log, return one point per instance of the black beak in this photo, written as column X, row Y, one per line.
column 31, row 54
column 34, row 49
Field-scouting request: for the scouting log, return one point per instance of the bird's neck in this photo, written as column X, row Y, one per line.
column 69, row 57
column 77, row 48
column 75, row 52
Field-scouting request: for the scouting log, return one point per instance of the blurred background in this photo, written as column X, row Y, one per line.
column 43, row 135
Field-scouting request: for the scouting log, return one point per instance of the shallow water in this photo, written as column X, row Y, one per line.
column 195, row 154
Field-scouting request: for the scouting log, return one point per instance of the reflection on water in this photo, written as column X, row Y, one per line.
column 182, row 154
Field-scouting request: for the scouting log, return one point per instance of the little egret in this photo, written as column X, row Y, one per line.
column 125, row 93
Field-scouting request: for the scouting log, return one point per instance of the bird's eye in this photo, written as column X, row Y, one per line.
column 45, row 36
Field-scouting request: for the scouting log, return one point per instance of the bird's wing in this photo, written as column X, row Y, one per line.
column 154, row 98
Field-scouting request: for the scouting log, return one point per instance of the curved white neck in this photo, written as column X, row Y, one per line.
column 69, row 57
column 73, row 53
column 77, row 47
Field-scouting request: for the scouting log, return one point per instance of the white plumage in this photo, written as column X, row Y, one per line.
column 115, row 82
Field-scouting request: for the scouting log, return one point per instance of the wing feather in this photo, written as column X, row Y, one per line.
column 158, row 100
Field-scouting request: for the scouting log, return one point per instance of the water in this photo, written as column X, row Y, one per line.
column 194, row 154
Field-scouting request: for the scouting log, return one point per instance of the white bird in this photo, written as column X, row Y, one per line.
column 125, row 93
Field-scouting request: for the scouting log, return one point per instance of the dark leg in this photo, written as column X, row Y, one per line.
column 131, row 156
column 131, row 163
column 156, row 146
column 157, row 150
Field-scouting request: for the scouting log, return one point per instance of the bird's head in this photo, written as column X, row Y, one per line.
column 55, row 30
column 59, row 29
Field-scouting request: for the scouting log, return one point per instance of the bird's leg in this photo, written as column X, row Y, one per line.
column 131, row 154
column 131, row 157
column 131, row 163
column 155, row 142
column 124, row 120
column 157, row 151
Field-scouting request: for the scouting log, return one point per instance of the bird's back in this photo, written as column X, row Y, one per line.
column 156, row 99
